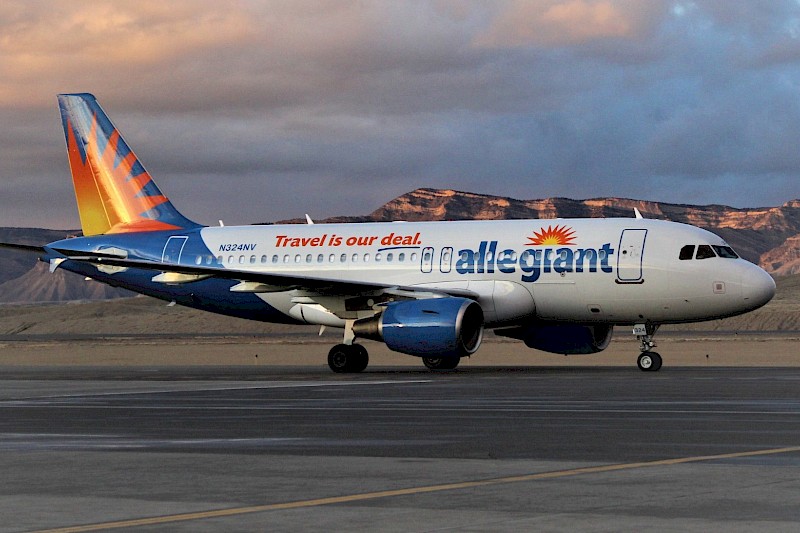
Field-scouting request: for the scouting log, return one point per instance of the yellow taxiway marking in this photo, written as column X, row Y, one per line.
column 156, row 520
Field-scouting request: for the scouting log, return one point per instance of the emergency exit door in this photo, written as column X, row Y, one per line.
column 173, row 249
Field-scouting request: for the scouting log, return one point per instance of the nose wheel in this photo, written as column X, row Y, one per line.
column 649, row 362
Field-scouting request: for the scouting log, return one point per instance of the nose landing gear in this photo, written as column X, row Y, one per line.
column 648, row 361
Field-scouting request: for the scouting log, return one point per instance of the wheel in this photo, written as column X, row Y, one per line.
column 441, row 363
column 338, row 358
column 344, row 358
column 649, row 361
column 360, row 359
column 656, row 362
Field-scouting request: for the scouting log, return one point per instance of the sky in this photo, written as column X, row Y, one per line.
column 247, row 111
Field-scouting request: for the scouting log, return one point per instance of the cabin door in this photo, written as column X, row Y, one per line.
column 630, row 255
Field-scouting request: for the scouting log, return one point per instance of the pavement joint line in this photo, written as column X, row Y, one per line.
column 350, row 498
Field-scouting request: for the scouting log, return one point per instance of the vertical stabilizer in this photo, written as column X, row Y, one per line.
column 115, row 193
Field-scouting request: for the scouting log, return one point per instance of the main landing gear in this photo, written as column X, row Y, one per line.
column 353, row 358
column 348, row 358
column 648, row 361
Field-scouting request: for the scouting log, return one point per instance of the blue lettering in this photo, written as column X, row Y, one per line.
column 506, row 261
column 533, row 262
column 607, row 251
column 466, row 262
column 563, row 262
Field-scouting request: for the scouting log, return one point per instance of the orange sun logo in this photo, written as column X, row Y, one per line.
column 553, row 235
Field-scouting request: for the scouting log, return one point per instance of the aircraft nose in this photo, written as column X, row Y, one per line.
column 758, row 287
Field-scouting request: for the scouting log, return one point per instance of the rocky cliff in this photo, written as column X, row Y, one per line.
column 752, row 232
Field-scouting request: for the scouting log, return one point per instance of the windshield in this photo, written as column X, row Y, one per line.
column 726, row 252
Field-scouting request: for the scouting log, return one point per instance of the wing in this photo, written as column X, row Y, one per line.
column 256, row 281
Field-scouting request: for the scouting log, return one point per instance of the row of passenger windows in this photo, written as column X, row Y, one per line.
column 308, row 259
column 705, row 251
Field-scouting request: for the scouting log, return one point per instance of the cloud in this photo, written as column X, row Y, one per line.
column 254, row 111
column 559, row 23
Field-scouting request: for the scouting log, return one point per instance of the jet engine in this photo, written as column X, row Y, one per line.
column 435, row 327
column 567, row 339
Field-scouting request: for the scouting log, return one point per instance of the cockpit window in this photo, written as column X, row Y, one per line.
column 726, row 252
column 704, row 251
column 687, row 252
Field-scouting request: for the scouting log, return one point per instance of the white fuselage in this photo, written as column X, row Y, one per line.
column 620, row 271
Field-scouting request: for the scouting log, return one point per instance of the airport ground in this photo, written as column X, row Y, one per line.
column 112, row 434
column 129, row 415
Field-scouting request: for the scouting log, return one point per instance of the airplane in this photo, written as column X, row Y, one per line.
column 426, row 289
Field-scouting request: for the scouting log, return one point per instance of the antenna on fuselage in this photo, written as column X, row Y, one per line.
column 638, row 214
column 308, row 219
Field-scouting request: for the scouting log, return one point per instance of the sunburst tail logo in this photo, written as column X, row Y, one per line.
column 115, row 193
column 553, row 235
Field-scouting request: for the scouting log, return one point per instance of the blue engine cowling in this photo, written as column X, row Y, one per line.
column 567, row 339
column 435, row 327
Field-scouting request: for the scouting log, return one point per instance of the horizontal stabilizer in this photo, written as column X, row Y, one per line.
column 25, row 248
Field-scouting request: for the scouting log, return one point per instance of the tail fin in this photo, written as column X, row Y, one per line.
column 115, row 193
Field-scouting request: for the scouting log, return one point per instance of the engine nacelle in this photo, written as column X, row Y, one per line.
column 567, row 339
column 435, row 327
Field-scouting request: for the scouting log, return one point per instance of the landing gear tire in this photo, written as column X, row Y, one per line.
column 441, row 363
column 649, row 362
column 348, row 358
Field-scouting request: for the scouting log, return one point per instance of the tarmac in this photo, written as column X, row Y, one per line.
column 397, row 448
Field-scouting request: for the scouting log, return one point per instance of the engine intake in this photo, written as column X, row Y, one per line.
column 435, row 327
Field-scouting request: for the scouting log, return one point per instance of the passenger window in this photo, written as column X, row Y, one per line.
column 274, row 258
column 355, row 258
column 308, row 258
column 320, row 258
column 209, row 259
column 687, row 252
column 241, row 259
column 343, row 258
column 219, row 259
column 230, row 259
column 297, row 258
column 252, row 260
column 389, row 257
column 377, row 257
column 401, row 257
column 366, row 258
column 286, row 258
column 704, row 251
column 726, row 252
column 263, row 259
column 199, row 260
column 332, row 258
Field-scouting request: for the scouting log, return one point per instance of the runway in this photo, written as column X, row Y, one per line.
column 398, row 449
